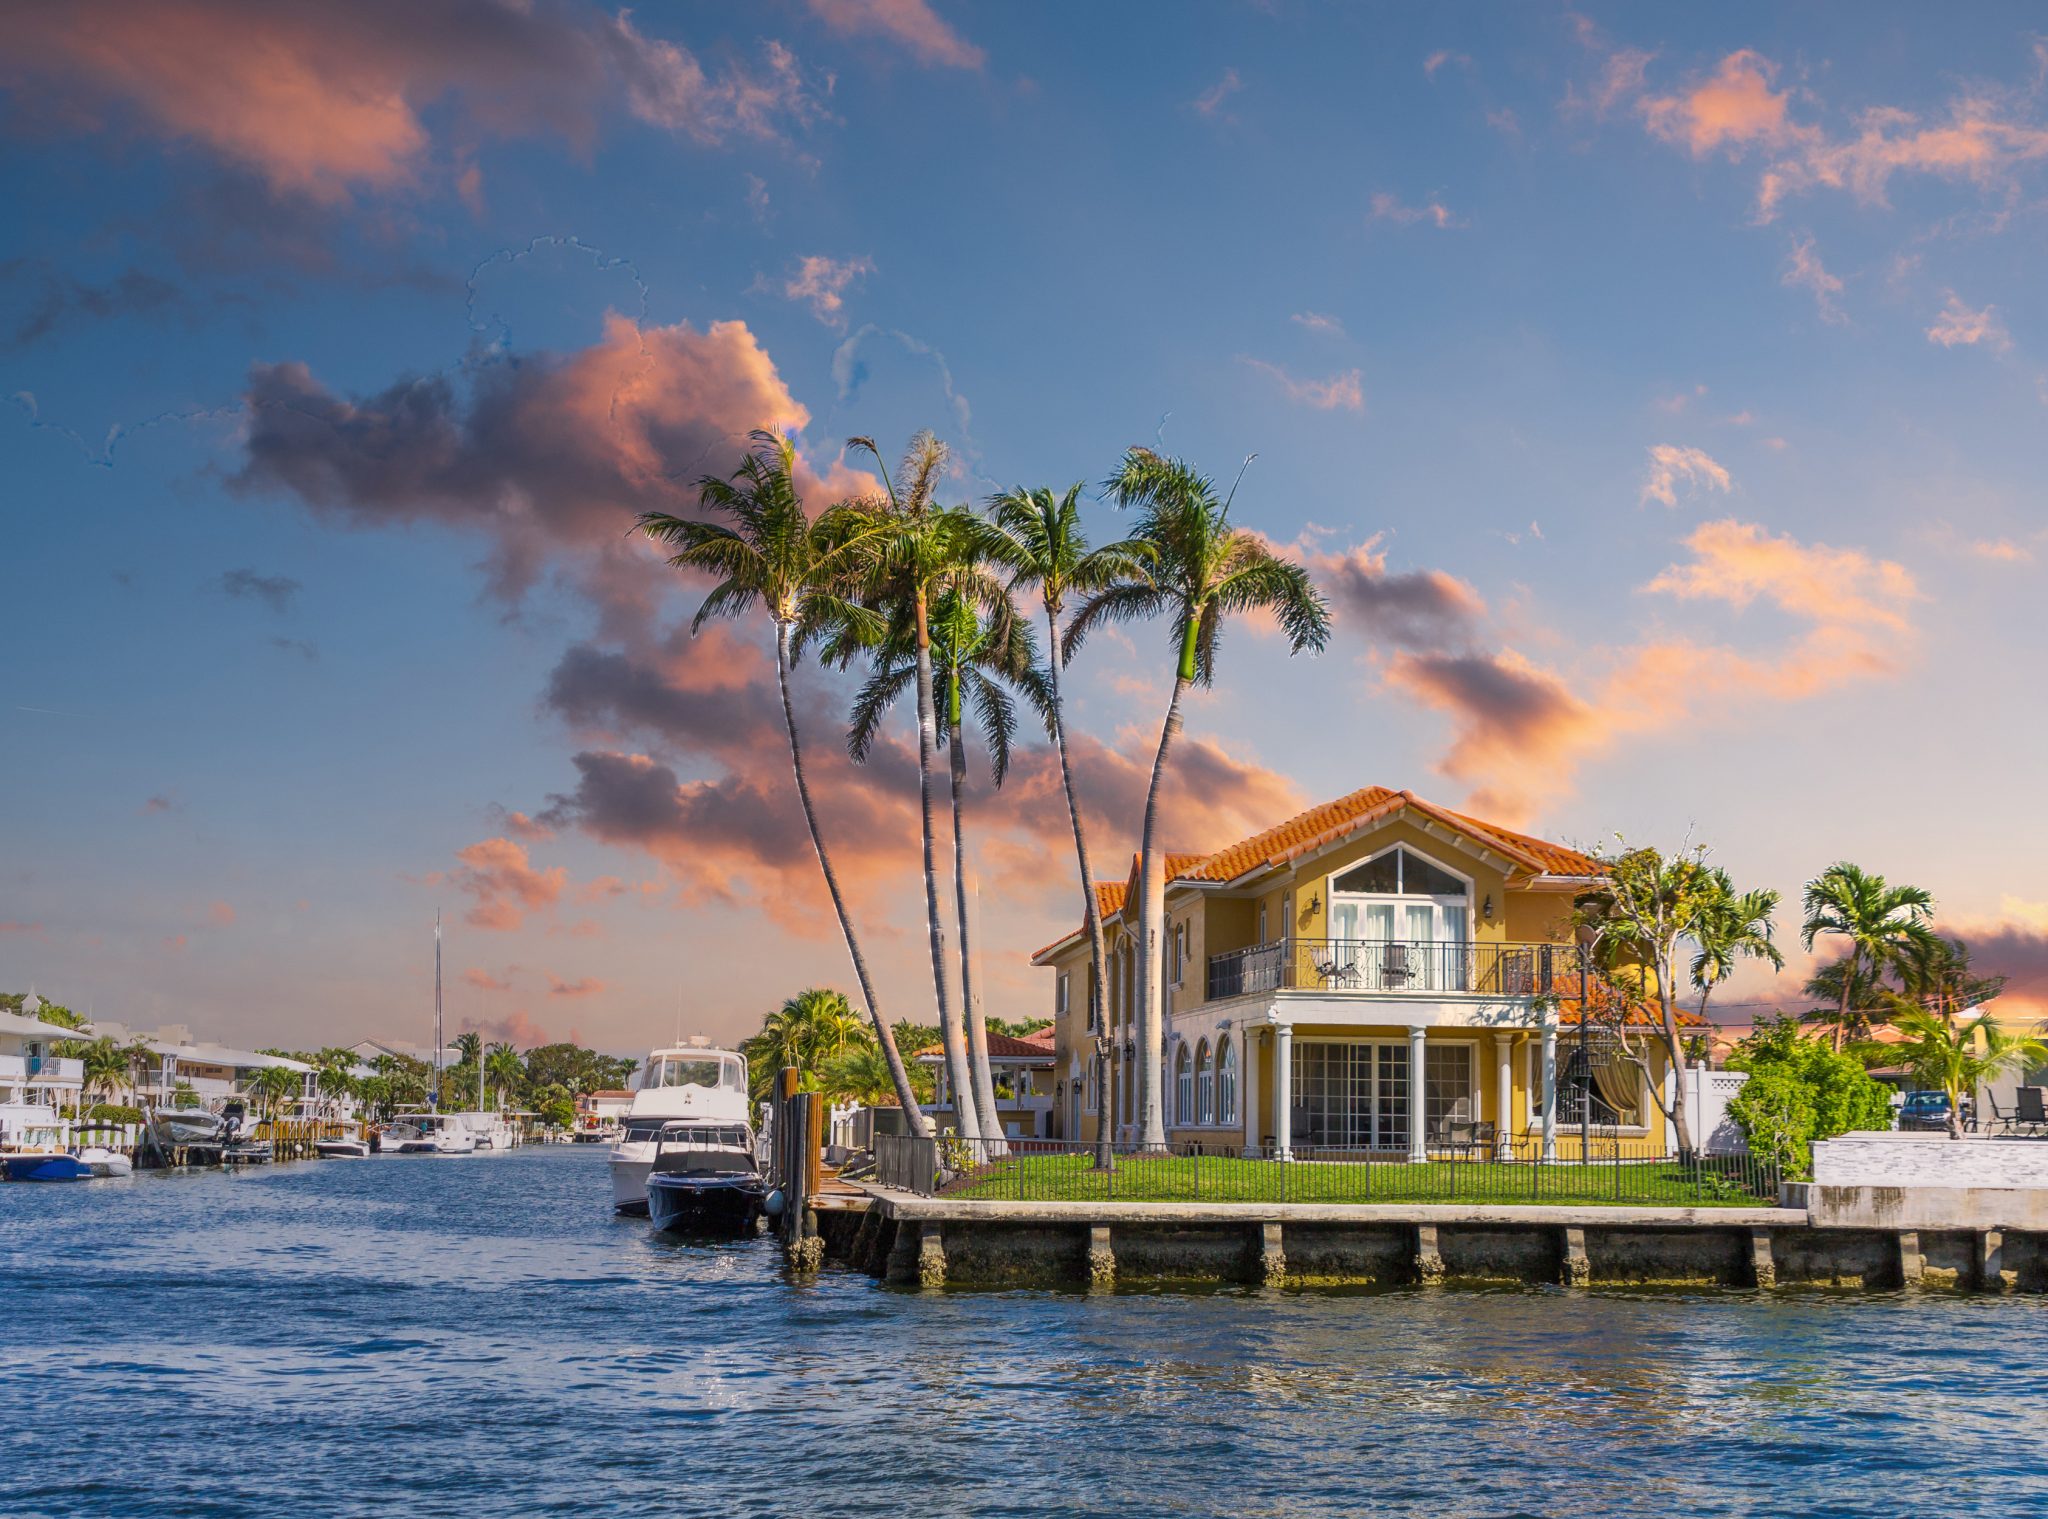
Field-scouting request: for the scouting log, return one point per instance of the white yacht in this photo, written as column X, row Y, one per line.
column 680, row 1088
column 492, row 1131
column 427, row 1134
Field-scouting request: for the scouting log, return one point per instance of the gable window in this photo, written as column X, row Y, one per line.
column 1400, row 921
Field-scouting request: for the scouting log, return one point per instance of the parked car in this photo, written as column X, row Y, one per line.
column 1929, row 1110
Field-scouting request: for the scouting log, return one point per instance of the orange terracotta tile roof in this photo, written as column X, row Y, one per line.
column 1610, row 1005
column 1000, row 1046
column 1310, row 830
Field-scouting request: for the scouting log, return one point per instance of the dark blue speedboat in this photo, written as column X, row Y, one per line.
column 45, row 1168
column 704, row 1177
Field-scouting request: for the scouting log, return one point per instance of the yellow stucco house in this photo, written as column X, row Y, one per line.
column 1314, row 970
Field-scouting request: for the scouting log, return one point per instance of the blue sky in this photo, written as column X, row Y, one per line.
column 321, row 455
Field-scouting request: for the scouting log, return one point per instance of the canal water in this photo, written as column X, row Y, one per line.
column 427, row 1337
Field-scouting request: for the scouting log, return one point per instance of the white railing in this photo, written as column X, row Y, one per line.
column 59, row 1071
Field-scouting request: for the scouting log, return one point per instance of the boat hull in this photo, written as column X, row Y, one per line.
column 342, row 1149
column 629, row 1182
column 686, row 1203
column 45, row 1168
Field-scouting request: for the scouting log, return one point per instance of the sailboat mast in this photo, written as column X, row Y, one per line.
column 437, row 1009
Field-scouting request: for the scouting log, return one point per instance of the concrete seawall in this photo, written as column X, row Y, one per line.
column 933, row 1242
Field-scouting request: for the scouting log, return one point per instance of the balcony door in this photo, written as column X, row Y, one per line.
column 1400, row 922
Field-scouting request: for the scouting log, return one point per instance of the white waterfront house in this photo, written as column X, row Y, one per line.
column 37, row 1087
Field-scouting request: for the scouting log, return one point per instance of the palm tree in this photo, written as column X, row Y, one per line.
column 972, row 657
column 808, row 1031
column 1959, row 1058
column 503, row 1070
column 776, row 556
column 337, row 1085
column 1885, row 926
column 469, row 1048
column 106, row 1067
column 273, row 1086
column 1202, row 570
column 1038, row 538
column 1727, row 928
column 927, row 550
column 1940, row 977
column 858, row 1075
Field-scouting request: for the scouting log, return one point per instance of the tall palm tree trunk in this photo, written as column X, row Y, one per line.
column 1098, row 952
column 970, row 1003
column 1152, row 933
column 898, row 1076
column 1842, row 1013
column 959, row 1076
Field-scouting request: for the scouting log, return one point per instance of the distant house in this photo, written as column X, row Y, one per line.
column 1022, row 1070
column 214, row 1072
column 597, row 1110
column 36, row 1086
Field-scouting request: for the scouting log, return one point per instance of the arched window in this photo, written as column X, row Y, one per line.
column 1183, row 1087
column 1226, row 1082
column 1205, row 1084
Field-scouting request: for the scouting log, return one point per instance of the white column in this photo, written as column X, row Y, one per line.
column 1418, row 1132
column 1283, row 1091
column 1549, row 1089
column 1248, row 1095
column 1504, row 1096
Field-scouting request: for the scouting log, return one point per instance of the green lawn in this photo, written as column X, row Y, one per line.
column 1222, row 1178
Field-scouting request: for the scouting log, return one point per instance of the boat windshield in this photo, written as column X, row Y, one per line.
column 697, row 1136
column 697, row 1071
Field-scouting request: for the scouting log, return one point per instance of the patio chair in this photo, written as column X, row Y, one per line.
column 1395, row 970
column 1337, row 965
column 2030, row 1114
column 2001, row 1120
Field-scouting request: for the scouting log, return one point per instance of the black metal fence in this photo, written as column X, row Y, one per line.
column 1615, row 1171
column 1488, row 967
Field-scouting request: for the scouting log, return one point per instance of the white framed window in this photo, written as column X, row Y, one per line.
column 1061, row 997
column 1262, row 939
column 1205, row 1084
column 1226, row 1082
column 1399, row 920
column 1183, row 1087
column 1092, row 1101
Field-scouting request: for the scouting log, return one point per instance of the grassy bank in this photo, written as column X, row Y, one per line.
column 1223, row 1179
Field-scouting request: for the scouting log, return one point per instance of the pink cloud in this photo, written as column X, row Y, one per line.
column 30, row 930
column 1316, row 321
column 505, row 886
column 1959, row 326
column 912, row 24
column 221, row 913
column 1671, row 463
column 1210, row 101
column 516, row 1028
column 176, row 943
column 1734, row 108
column 484, row 981
column 821, row 283
column 325, row 101
column 1804, row 270
column 1344, row 391
column 586, row 987
column 1389, row 208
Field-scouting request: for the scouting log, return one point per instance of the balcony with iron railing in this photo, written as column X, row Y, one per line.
column 1482, row 968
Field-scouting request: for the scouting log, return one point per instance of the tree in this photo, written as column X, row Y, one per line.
column 1646, row 907
column 1958, row 1058
column 503, row 1070
column 974, row 656
column 1038, row 538
column 923, row 552
column 469, row 1048
column 105, row 1062
column 1800, row 1090
column 773, row 555
column 858, row 1075
column 1201, row 571
column 1938, row 977
column 1885, row 927
column 337, row 1084
column 272, row 1087
column 1728, row 927
column 807, row 1032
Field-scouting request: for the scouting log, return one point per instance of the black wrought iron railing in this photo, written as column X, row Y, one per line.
column 1614, row 1169
column 1489, row 967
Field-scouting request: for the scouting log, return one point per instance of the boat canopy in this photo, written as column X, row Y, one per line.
column 715, row 1070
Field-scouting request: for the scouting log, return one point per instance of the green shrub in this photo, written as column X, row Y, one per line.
column 113, row 1112
column 1800, row 1090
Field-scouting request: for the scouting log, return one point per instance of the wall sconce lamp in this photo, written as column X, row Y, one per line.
column 1486, row 908
column 1315, row 904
